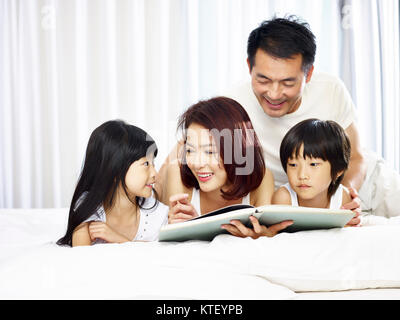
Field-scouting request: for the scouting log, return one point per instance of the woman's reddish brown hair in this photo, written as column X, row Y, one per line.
column 218, row 114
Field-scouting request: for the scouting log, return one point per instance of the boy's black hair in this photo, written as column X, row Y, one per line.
column 321, row 139
column 112, row 148
column 283, row 38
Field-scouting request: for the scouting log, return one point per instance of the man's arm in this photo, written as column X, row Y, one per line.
column 355, row 174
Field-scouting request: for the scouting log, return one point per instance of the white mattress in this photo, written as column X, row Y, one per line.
column 348, row 263
column 365, row 294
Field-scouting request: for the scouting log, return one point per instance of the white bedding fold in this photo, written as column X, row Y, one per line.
column 32, row 266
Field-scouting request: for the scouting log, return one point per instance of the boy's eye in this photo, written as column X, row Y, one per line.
column 292, row 164
column 314, row 164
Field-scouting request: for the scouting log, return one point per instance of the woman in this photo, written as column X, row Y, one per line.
column 220, row 164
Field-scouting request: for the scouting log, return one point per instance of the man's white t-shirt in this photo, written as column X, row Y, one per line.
column 325, row 97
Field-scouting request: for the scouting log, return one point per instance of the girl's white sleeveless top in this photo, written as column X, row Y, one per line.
column 151, row 220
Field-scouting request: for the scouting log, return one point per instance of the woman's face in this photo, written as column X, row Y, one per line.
column 203, row 159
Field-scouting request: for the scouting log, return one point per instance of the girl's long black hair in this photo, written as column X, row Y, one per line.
column 112, row 148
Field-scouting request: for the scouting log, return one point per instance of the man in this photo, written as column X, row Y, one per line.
column 284, row 91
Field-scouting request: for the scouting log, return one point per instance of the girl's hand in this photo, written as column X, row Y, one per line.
column 238, row 229
column 354, row 206
column 180, row 209
column 101, row 230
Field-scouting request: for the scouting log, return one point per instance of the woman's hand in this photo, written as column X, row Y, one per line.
column 238, row 229
column 101, row 230
column 353, row 205
column 180, row 208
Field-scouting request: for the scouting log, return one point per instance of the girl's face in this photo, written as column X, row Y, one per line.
column 310, row 177
column 140, row 177
column 203, row 159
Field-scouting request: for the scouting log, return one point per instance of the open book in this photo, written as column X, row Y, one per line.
column 207, row 226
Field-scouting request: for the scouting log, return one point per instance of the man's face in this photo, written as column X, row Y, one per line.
column 278, row 83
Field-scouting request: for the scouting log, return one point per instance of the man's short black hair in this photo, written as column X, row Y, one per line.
column 283, row 38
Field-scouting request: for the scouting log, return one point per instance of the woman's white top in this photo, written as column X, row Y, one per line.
column 150, row 222
column 336, row 199
column 196, row 199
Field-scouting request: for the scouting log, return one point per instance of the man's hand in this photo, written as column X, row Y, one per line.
column 355, row 206
column 238, row 229
column 180, row 209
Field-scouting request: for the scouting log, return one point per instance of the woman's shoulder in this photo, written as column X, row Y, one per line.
column 262, row 195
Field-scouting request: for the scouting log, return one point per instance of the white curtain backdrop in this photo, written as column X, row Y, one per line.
column 376, row 74
column 66, row 66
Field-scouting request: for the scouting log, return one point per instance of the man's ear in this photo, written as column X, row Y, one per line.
column 309, row 74
column 248, row 64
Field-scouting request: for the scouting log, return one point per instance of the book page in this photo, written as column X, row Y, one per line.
column 231, row 208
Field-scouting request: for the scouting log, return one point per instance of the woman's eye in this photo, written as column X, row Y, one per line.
column 146, row 163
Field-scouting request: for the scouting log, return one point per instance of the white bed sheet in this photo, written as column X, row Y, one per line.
column 365, row 294
column 303, row 265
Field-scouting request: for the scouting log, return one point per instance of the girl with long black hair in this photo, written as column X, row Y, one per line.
column 114, row 200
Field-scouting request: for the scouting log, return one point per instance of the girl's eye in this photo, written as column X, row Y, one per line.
column 210, row 152
column 314, row 164
column 292, row 165
column 189, row 151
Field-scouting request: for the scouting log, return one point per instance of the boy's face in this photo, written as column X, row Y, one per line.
column 278, row 83
column 310, row 177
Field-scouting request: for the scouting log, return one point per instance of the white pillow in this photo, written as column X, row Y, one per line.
column 321, row 260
